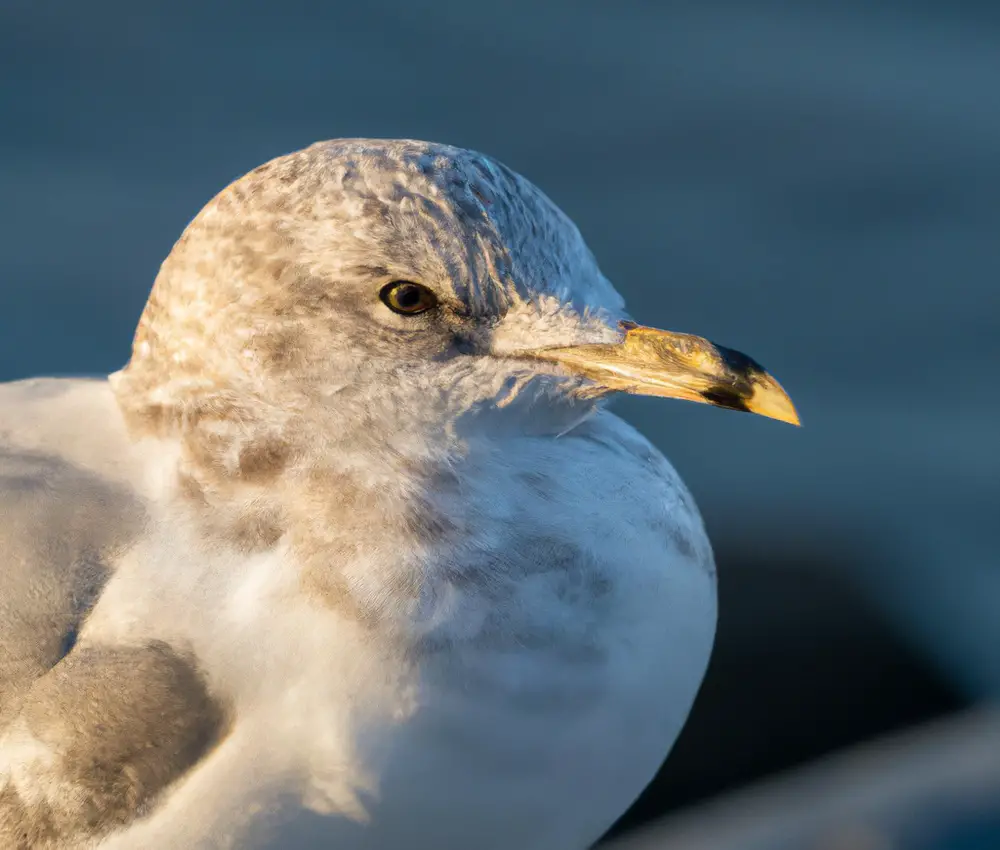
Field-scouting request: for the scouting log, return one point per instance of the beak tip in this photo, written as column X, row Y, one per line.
column 791, row 417
column 771, row 400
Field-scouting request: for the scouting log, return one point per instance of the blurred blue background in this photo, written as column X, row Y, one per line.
column 812, row 182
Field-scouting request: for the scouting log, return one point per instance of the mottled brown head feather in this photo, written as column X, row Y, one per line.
column 264, row 340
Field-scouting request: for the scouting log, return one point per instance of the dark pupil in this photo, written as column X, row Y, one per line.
column 408, row 297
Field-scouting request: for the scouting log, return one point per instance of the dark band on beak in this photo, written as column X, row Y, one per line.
column 737, row 388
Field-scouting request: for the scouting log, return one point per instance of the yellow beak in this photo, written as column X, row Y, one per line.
column 673, row 365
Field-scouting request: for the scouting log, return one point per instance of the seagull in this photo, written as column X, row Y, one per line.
column 351, row 554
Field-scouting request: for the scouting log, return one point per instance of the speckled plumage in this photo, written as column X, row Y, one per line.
column 399, row 585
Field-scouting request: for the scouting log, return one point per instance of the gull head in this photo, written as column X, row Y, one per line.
column 367, row 289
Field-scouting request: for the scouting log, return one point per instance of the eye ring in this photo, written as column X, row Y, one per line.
column 408, row 298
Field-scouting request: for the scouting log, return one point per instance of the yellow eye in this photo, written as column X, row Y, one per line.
column 403, row 296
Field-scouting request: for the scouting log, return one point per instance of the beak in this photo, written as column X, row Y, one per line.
column 647, row 361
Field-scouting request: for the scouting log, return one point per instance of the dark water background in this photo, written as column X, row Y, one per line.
column 814, row 183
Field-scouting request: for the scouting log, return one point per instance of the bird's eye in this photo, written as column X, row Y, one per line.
column 403, row 296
